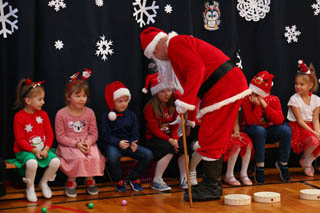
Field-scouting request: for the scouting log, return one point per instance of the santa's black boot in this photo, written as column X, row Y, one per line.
column 210, row 188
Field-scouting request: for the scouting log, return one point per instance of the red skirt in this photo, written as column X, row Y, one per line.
column 302, row 139
column 243, row 141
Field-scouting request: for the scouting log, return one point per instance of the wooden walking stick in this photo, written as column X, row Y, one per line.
column 186, row 157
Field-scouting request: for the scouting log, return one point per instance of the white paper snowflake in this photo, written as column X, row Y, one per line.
column 239, row 63
column 292, row 33
column 58, row 44
column 168, row 8
column 253, row 10
column 142, row 10
column 28, row 128
column 57, row 4
column 39, row 120
column 8, row 21
column 104, row 48
column 316, row 7
column 99, row 3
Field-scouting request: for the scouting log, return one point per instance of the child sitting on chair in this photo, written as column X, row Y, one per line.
column 121, row 136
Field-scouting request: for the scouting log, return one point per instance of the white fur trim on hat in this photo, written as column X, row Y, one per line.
column 121, row 92
column 258, row 91
column 144, row 90
column 170, row 36
column 112, row 116
column 185, row 105
column 148, row 52
column 159, row 87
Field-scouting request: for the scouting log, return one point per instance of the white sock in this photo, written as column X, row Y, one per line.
column 161, row 166
column 31, row 170
column 182, row 168
column 232, row 161
column 195, row 160
column 48, row 174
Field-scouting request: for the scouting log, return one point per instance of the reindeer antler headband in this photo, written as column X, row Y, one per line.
column 33, row 85
column 86, row 73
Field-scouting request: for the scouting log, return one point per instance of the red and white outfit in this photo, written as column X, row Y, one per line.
column 243, row 141
column 302, row 138
column 193, row 61
column 37, row 131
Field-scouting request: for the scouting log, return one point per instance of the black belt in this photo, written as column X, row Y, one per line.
column 215, row 77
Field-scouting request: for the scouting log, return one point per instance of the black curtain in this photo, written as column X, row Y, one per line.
column 30, row 52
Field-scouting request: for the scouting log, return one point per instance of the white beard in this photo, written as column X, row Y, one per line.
column 166, row 74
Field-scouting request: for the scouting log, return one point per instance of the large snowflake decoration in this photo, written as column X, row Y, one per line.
column 58, row 44
column 104, row 48
column 239, row 63
column 292, row 33
column 7, row 26
column 168, row 8
column 316, row 7
column 142, row 10
column 253, row 10
column 99, row 3
column 57, row 4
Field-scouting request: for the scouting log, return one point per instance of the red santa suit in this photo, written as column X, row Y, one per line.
column 193, row 61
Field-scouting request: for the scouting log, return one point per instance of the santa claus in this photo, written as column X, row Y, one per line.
column 200, row 71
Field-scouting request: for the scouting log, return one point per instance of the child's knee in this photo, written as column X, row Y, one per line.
column 55, row 162
column 32, row 164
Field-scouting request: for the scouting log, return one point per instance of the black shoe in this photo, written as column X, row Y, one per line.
column 259, row 175
column 2, row 190
column 205, row 191
column 284, row 173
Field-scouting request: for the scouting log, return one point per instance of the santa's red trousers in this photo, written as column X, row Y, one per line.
column 216, row 128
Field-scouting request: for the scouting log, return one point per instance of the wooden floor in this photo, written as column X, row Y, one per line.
column 151, row 201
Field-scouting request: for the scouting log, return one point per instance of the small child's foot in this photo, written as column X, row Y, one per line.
column 245, row 180
column 45, row 189
column 259, row 175
column 121, row 186
column 31, row 194
column 92, row 188
column 193, row 177
column 70, row 189
column 136, row 185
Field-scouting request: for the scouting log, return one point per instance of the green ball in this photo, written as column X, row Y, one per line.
column 44, row 210
column 90, row 205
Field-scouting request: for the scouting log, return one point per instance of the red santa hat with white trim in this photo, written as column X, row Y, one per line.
column 114, row 91
column 261, row 83
column 152, row 80
column 149, row 40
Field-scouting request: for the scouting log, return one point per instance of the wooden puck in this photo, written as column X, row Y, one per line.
column 237, row 199
column 266, row 197
column 310, row 194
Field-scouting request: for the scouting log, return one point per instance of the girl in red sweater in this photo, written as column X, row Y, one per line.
column 33, row 138
column 162, row 138
column 263, row 121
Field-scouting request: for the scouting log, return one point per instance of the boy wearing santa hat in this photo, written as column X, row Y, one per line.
column 200, row 70
column 121, row 136
column 263, row 121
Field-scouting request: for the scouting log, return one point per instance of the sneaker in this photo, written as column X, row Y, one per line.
column 160, row 186
column 70, row 190
column 92, row 188
column 136, row 185
column 193, row 178
column 259, row 175
column 121, row 186
column 184, row 183
column 284, row 173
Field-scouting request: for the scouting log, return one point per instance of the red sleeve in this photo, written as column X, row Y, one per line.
column 274, row 111
column 251, row 112
column 48, row 130
column 152, row 123
column 185, row 59
column 19, row 134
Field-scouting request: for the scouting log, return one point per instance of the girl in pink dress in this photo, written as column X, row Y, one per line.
column 303, row 116
column 77, row 134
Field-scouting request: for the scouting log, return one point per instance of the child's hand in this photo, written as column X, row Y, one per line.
column 44, row 153
column 175, row 144
column 82, row 146
column 37, row 153
column 254, row 100
column 262, row 102
column 124, row 144
column 134, row 146
column 87, row 147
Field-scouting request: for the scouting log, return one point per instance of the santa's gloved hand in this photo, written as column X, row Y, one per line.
column 181, row 109
column 177, row 121
column 191, row 123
